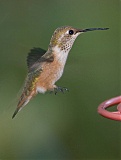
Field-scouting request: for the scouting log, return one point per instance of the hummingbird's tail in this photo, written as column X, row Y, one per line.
column 24, row 99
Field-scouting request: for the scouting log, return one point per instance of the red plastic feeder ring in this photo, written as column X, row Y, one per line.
column 108, row 103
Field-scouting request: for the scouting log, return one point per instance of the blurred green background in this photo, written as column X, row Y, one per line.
column 65, row 126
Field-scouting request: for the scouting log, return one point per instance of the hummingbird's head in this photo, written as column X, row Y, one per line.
column 64, row 37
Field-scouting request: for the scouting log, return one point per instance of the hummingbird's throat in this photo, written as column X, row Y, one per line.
column 65, row 47
column 66, row 44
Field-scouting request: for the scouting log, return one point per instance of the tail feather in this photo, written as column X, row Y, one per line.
column 16, row 111
column 19, row 107
column 22, row 102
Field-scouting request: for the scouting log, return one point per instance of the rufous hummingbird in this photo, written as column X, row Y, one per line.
column 46, row 67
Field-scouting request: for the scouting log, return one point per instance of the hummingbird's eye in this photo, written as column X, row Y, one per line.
column 71, row 32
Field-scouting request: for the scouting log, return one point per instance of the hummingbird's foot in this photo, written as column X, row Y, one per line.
column 60, row 89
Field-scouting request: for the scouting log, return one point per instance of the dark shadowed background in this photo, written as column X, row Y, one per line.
column 65, row 126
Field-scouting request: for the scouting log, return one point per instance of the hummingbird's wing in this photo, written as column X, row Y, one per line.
column 35, row 59
column 34, row 55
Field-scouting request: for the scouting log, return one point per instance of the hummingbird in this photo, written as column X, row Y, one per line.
column 46, row 67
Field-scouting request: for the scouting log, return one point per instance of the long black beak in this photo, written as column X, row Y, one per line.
column 92, row 29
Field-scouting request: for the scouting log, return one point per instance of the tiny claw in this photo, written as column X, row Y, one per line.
column 61, row 89
column 55, row 92
column 66, row 89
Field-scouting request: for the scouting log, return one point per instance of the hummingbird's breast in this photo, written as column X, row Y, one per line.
column 52, row 71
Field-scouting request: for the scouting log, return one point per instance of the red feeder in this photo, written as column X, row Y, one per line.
column 108, row 103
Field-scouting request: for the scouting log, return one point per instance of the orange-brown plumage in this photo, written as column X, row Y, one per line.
column 49, row 74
